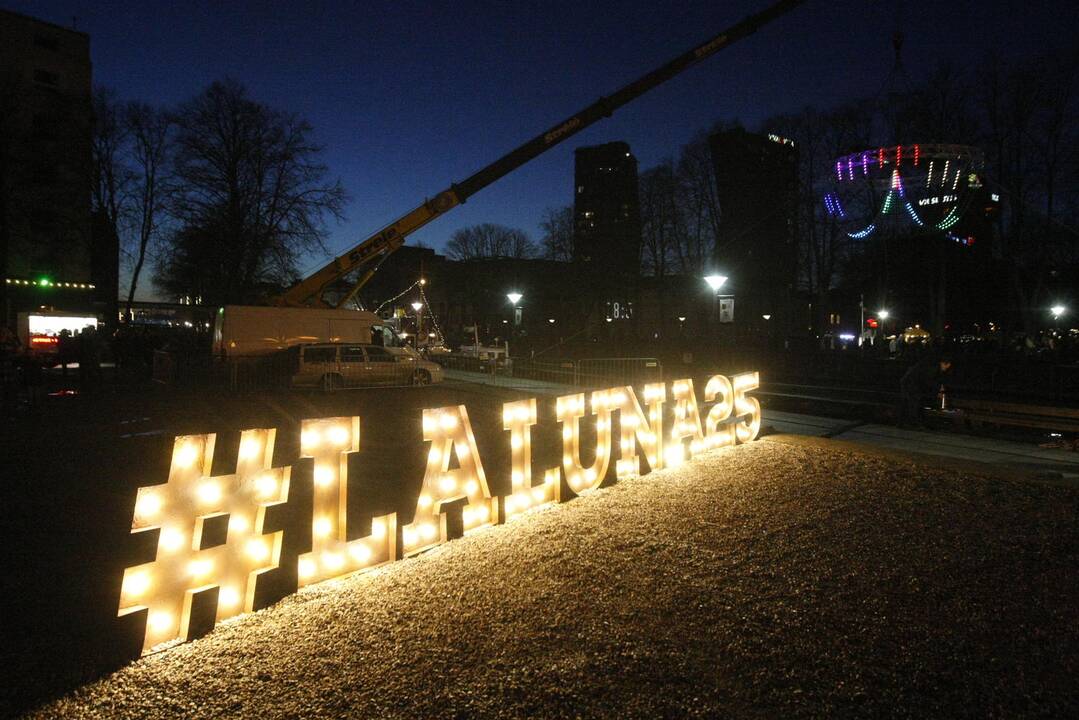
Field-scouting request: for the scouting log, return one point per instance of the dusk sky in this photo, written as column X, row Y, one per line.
column 408, row 97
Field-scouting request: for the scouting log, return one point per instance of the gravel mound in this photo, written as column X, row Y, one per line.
column 768, row 580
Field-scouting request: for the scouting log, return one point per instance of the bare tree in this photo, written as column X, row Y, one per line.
column 660, row 225
column 149, row 132
column 698, row 205
column 489, row 240
column 251, row 197
column 111, row 175
column 557, row 226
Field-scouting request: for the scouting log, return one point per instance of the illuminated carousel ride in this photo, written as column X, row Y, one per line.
column 904, row 190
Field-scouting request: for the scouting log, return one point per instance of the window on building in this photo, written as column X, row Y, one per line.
column 46, row 78
column 44, row 127
column 48, row 42
column 44, row 175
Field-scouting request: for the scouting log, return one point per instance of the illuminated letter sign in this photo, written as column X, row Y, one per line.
column 212, row 545
column 330, row 441
column 635, row 427
column 181, row 511
column 687, row 424
column 450, row 435
column 519, row 417
column 569, row 410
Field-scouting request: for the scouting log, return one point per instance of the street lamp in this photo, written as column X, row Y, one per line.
column 416, row 306
column 882, row 314
column 514, row 298
column 1057, row 311
column 715, row 282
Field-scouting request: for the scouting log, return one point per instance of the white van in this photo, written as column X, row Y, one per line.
column 331, row 366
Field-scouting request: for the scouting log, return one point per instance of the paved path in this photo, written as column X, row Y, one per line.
column 540, row 387
column 1025, row 457
column 1017, row 456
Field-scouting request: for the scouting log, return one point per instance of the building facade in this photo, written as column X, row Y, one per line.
column 757, row 186
column 607, row 229
column 47, row 248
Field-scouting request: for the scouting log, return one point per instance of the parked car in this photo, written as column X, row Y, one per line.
column 331, row 366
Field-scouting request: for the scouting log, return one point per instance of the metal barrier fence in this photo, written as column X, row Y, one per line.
column 584, row 373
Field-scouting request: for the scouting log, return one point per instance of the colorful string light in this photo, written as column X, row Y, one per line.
column 914, row 215
column 864, row 232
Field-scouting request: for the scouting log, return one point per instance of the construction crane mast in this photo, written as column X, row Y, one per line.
column 366, row 256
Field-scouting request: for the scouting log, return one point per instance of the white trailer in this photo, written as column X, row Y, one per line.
column 249, row 330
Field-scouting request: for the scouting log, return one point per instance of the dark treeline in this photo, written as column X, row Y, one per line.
column 219, row 195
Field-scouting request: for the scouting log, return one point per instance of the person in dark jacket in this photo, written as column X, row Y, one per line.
column 920, row 383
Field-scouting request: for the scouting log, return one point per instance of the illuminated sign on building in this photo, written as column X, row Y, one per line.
column 212, row 540
column 938, row 200
column 780, row 139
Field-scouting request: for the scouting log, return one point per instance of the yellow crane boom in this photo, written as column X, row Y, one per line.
column 373, row 250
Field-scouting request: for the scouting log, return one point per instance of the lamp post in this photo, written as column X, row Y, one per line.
column 514, row 298
column 1057, row 311
column 416, row 307
column 715, row 282
column 883, row 315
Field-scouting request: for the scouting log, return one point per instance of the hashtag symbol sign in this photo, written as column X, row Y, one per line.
column 210, row 534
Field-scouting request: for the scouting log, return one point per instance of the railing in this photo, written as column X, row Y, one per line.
column 584, row 373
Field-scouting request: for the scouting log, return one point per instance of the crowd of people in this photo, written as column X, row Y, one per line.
column 77, row 357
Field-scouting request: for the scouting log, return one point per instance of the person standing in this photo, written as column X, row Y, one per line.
column 920, row 383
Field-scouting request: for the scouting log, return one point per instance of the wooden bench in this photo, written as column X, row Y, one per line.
column 991, row 412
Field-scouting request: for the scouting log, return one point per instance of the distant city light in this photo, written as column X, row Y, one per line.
column 1058, row 310
column 416, row 306
column 882, row 314
column 514, row 297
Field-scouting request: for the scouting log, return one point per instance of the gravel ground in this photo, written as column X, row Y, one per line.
column 769, row 580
